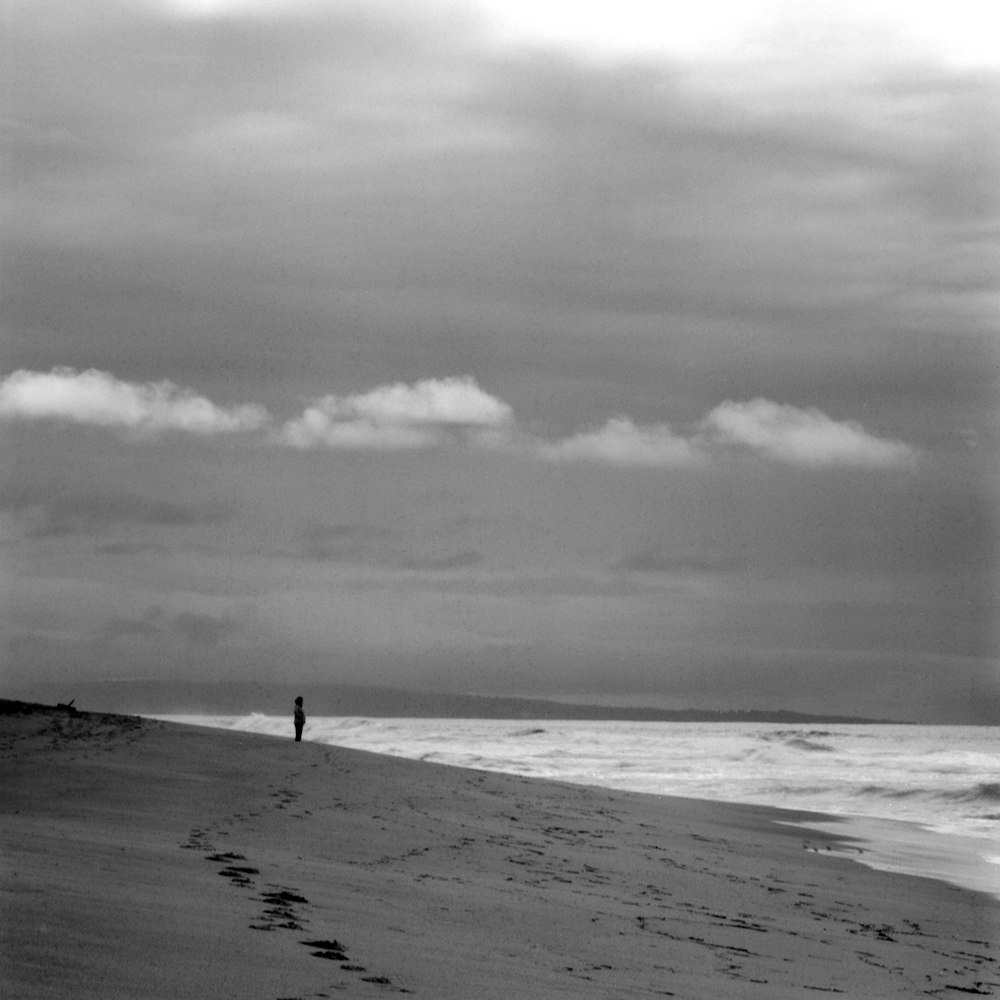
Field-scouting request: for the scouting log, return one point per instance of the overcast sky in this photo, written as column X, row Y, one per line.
column 616, row 352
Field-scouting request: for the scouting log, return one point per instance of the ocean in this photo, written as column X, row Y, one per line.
column 924, row 800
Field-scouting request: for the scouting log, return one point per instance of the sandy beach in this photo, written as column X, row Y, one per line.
column 148, row 859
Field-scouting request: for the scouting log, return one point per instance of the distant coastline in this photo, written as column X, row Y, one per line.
column 222, row 698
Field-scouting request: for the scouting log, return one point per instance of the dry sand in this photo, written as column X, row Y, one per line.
column 146, row 859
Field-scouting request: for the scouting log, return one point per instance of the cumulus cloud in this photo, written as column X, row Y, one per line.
column 321, row 426
column 773, row 431
column 621, row 442
column 807, row 437
column 398, row 417
column 99, row 399
column 430, row 412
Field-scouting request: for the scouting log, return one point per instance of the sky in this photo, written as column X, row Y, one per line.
column 626, row 354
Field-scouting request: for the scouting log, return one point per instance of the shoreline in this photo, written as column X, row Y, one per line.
column 886, row 843
column 910, row 848
column 151, row 859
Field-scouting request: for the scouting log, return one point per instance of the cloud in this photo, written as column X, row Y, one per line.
column 318, row 427
column 194, row 627
column 371, row 546
column 460, row 560
column 205, row 630
column 773, row 431
column 98, row 513
column 651, row 561
column 341, row 543
column 129, row 548
column 807, row 437
column 397, row 417
column 99, row 399
column 431, row 412
column 621, row 442
column 124, row 628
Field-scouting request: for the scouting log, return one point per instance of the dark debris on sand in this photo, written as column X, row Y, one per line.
column 8, row 707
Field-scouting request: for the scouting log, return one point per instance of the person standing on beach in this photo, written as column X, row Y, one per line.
column 300, row 719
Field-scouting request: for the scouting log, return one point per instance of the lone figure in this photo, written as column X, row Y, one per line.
column 300, row 719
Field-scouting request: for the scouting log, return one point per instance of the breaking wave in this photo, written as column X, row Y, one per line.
column 800, row 739
column 979, row 792
column 982, row 792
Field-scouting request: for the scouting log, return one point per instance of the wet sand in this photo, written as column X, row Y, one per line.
column 149, row 859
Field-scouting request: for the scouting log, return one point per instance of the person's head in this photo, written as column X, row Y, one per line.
column 298, row 701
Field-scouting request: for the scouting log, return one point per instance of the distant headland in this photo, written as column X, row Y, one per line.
column 242, row 697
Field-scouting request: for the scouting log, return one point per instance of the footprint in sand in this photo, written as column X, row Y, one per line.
column 240, row 875
column 281, row 913
column 332, row 950
column 335, row 951
column 198, row 841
